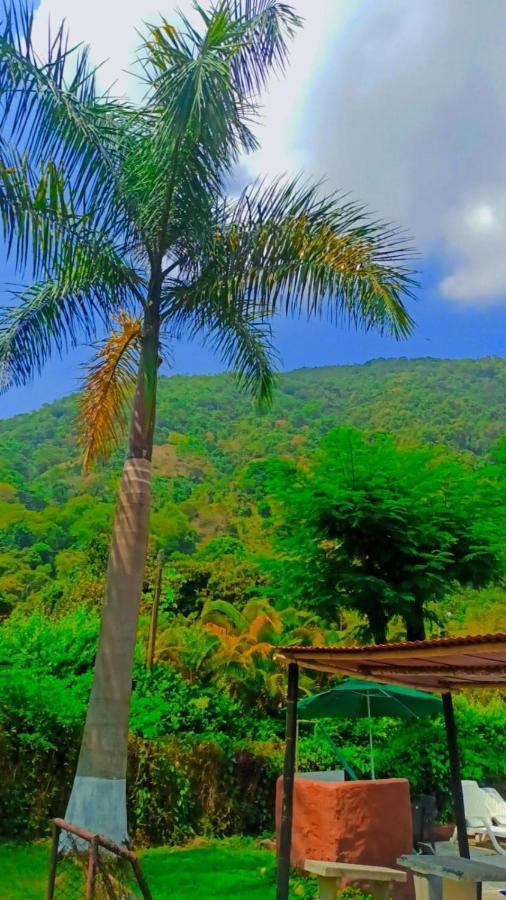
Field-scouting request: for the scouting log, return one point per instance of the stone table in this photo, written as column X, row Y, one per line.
column 379, row 879
column 450, row 877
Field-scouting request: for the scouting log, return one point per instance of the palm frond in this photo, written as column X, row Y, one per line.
column 257, row 649
column 261, row 628
column 269, row 25
column 218, row 612
column 39, row 224
column 52, row 108
column 256, row 607
column 202, row 81
column 59, row 311
column 42, row 229
column 285, row 247
column 201, row 128
column 244, row 344
column 108, row 385
column 240, row 338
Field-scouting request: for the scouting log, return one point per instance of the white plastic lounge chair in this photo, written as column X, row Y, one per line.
column 496, row 806
column 479, row 821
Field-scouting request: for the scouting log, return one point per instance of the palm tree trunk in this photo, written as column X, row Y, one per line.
column 98, row 798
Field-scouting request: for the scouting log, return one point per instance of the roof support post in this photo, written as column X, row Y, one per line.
column 285, row 838
column 456, row 783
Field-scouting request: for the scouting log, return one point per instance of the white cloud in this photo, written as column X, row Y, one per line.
column 400, row 102
column 482, row 218
column 110, row 27
column 475, row 239
column 281, row 132
column 409, row 113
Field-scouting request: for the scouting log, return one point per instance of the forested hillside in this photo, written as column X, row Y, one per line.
column 460, row 402
column 55, row 522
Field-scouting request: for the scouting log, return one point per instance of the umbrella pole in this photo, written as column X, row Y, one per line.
column 371, row 748
column 456, row 783
column 285, row 837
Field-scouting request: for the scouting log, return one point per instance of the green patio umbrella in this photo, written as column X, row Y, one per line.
column 357, row 699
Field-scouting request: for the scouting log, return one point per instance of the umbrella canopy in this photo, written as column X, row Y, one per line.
column 357, row 699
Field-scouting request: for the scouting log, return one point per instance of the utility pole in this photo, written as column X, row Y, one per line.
column 154, row 612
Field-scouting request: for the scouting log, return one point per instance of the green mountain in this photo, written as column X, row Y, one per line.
column 54, row 521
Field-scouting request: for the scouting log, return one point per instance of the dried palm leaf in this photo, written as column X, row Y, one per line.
column 108, row 386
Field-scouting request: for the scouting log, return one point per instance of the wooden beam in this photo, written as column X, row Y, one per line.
column 153, row 625
column 91, row 874
column 321, row 665
column 285, row 838
column 431, row 671
column 442, row 679
column 398, row 651
column 500, row 684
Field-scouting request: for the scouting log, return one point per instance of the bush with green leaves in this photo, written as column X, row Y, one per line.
column 382, row 528
column 185, row 737
column 200, row 761
column 185, row 786
column 163, row 703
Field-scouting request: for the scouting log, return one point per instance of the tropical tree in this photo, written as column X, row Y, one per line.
column 385, row 529
column 119, row 211
column 187, row 645
column 233, row 649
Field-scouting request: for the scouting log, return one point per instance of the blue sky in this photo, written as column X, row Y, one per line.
column 400, row 103
column 442, row 331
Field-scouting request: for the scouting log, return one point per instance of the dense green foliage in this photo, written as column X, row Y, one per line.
column 55, row 523
column 201, row 760
column 232, row 486
column 383, row 529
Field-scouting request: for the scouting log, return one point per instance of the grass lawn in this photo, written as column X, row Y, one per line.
column 232, row 870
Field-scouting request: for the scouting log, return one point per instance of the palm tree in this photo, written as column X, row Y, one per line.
column 233, row 649
column 120, row 210
column 243, row 661
column 189, row 646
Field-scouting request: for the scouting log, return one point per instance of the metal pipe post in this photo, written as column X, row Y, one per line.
column 371, row 746
column 285, row 839
column 53, row 862
column 456, row 783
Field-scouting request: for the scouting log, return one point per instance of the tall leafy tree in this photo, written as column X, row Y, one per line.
column 384, row 529
column 120, row 212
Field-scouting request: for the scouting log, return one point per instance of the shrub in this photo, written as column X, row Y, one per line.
column 184, row 786
column 200, row 762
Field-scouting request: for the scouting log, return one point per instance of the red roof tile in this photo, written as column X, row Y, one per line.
column 443, row 664
column 402, row 645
